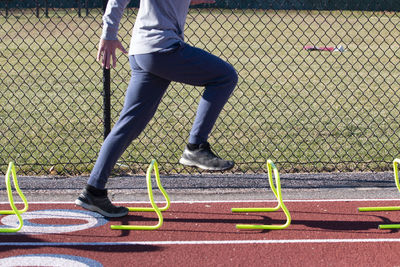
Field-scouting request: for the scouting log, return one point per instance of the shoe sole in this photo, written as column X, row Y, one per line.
column 190, row 163
column 98, row 210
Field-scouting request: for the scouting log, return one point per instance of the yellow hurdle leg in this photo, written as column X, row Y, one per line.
column 154, row 207
column 272, row 171
column 11, row 172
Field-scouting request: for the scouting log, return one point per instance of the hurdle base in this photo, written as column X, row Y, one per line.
column 136, row 227
column 389, row 226
column 394, row 208
column 262, row 227
column 255, row 209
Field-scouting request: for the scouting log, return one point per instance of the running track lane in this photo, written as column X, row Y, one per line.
column 322, row 233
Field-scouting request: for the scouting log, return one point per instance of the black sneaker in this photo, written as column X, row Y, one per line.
column 204, row 158
column 101, row 205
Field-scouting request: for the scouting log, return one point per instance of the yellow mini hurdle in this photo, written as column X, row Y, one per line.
column 154, row 207
column 272, row 171
column 14, row 210
column 389, row 208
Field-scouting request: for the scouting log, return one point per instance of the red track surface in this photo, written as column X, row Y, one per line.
column 329, row 233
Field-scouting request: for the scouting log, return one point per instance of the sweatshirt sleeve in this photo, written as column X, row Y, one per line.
column 112, row 17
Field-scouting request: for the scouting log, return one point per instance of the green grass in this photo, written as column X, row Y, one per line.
column 307, row 111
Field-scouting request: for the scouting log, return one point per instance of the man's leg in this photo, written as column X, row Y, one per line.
column 142, row 98
column 190, row 65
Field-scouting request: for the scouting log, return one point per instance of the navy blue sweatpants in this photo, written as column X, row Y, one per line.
column 151, row 76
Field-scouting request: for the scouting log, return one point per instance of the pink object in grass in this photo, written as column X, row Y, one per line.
column 323, row 48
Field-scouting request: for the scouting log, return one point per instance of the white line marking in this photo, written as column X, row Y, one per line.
column 203, row 242
column 221, row 201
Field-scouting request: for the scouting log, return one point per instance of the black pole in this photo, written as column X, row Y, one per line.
column 79, row 8
column 46, row 3
column 87, row 8
column 37, row 8
column 6, row 8
column 106, row 94
column 106, row 102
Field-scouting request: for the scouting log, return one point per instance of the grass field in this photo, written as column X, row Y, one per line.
column 307, row 111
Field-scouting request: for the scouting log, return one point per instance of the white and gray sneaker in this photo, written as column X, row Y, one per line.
column 101, row 205
column 202, row 157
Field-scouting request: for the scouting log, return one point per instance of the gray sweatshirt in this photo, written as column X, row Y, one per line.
column 159, row 23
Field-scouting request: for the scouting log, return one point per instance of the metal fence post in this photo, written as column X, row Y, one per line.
column 87, row 8
column 106, row 93
column 46, row 3
column 37, row 8
column 79, row 8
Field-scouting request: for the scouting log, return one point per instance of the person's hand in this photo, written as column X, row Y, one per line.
column 107, row 51
column 198, row 2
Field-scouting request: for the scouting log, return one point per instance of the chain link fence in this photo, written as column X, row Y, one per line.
column 307, row 110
